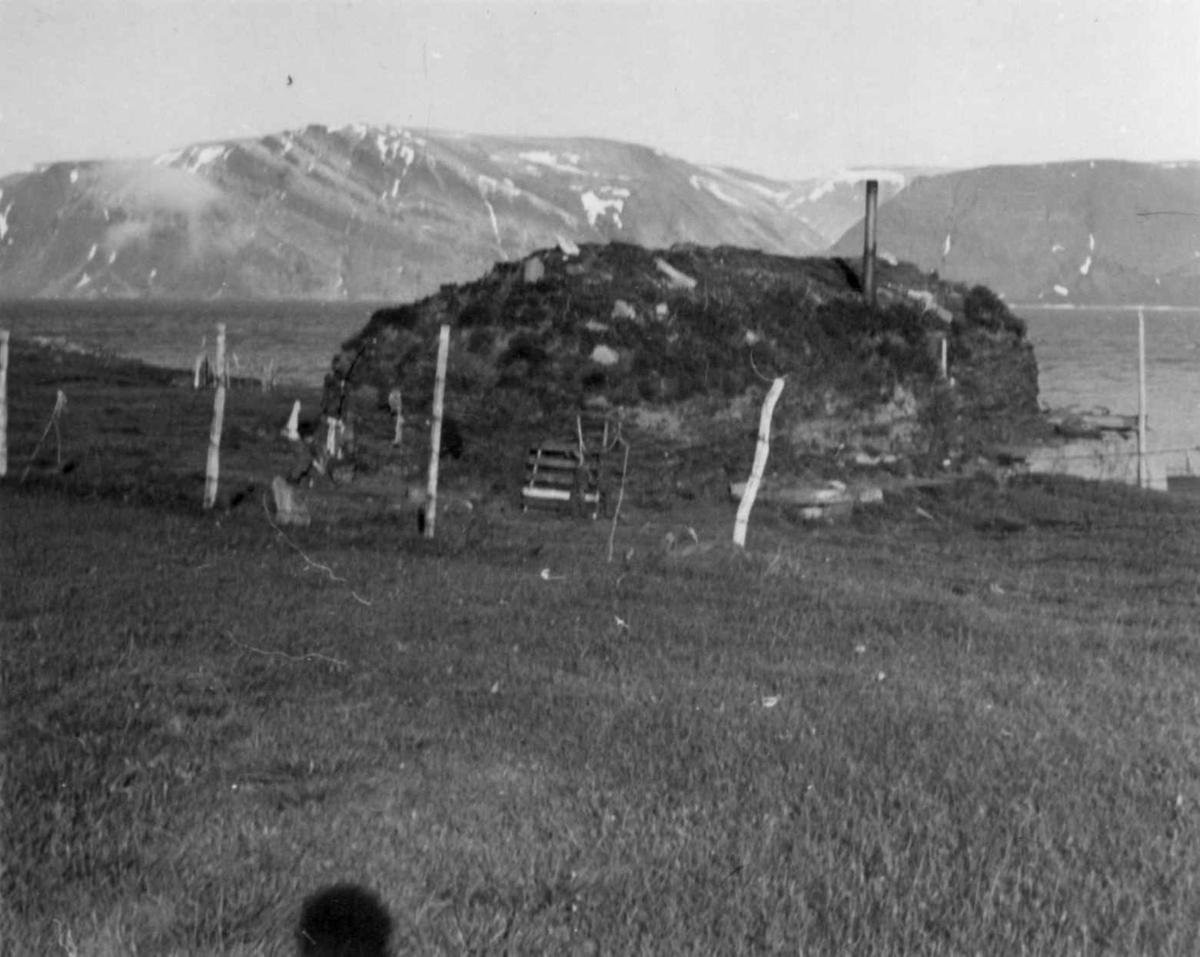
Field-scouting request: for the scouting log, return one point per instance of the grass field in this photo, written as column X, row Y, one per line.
column 965, row 722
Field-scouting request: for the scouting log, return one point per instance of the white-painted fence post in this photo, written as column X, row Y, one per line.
column 435, row 438
column 291, row 431
column 214, row 435
column 760, row 463
column 3, row 402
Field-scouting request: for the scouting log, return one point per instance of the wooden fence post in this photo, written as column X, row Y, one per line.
column 214, row 435
column 3, row 402
column 291, row 431
column 435, row 439
column 200, row 368
column 760, row 463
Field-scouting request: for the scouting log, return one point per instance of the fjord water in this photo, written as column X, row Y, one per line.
column 1087, row 358
column 301, row 337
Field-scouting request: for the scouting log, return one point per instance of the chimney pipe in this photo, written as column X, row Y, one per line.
column 868, row 271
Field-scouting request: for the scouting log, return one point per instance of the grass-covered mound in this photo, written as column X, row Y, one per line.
column 613, row 328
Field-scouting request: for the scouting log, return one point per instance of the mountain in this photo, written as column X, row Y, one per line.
column 1098, row 232
column 366, row 212
column 834, row 201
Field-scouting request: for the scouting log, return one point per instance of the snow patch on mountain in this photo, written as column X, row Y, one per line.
column 505, row 187
column 852, row 177
column 1086, row 266
column 197, row 157
column 552, row 161
column 389, row 144
column 4, row 219
column 407, row 154
column 191, row 156
column 74, row 177
column 596, row 206
column 701, row 184
column 775, row 195
column 495, row 227
column 946, row 247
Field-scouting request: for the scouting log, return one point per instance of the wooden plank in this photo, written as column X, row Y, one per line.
column 561, row 448
column 535, row 493
column 562, row 479
column 544, row 462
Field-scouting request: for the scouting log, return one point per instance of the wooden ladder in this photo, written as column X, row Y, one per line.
column 568, row 474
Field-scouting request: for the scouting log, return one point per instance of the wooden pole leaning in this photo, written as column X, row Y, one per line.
column 213, row 467
column 435, row 437
column 760, row 463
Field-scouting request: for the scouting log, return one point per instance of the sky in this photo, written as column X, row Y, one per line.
column 785, row 89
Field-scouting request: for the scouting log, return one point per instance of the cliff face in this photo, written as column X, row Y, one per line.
column 1098, row 232
column 682, row 344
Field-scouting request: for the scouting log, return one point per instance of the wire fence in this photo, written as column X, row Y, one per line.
column 176, row 427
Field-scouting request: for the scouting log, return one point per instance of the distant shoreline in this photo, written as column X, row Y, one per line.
column 1072, row 307
column 375, row 303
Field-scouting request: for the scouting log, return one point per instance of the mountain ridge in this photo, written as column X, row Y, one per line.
column 1086, row 232
column 381, row 213
column 373, row 213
